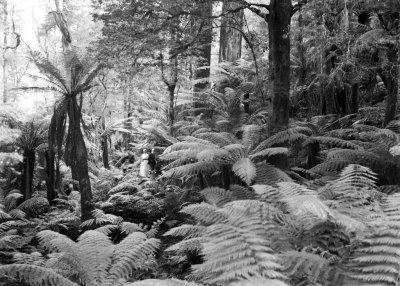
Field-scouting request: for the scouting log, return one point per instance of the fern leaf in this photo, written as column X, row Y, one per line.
column 35, row 275
column 245, row 169
column 288, row 136
column 269, row 175
column 269, row 152
column 95, row 255
column 332, row 142
column 216, row 196
column 204, row 213
column 133, row 258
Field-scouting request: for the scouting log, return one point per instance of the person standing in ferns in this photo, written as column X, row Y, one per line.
column 144, row 164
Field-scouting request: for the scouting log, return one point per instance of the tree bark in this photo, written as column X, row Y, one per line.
column 4, row 64
column 205, row 41
column 230, row 42
column 354, row 98
column 27, row 173
column 104, row 146
column 279, row 59
column 392, row 84
column 79, row 159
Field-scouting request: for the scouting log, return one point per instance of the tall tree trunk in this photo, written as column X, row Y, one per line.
column 205, row 41
column 104, row 146
column 354, row 98
column 301, row 50
column 230, row 41
column 27, row 173
column 4, row 64
column 79, row 159
column 392, row 85
column 171, row 109
column 50, row 179
column 279, row 59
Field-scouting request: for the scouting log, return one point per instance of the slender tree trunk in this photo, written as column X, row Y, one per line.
column 50, row 180
column 27, row 173
column 392, row 85
column 354, row 98
column 79, row 159
column 230, row 41
column 301, row 50
column 104, row 146
column 279, row 55
column 4, row 64
column 205, row 41
column 171, row 109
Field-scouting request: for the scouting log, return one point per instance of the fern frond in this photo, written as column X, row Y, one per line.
column 237, row 249
column 245, row 169
column 330, row 166
column 99, row 218
column 95, row 255
column 316, row 268
column 242, row 193
column 187, row 231
column 302, row 201
column 216, row 196
column 191, row 169
column 269, row 175
column 205, row 213
column 332, row 142
column 263, row 154
column 133, row 258
column 218, row 138
column 34, row 204
column 288, row 136
column 35, row 275
column 267, row 193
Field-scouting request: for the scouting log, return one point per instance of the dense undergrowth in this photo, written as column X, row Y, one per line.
column 316, row 204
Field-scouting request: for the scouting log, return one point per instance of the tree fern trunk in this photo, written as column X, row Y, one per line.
column 79, row 159
column 27, row 173
column 280, row 14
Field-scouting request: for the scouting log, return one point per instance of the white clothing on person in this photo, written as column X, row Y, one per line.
column 144, row 165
